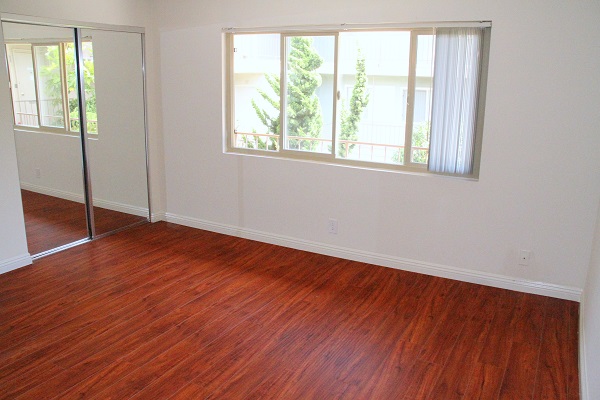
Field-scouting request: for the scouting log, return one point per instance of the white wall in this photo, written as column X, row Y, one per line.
column 58, row 158
column 590, row 324
column 540, row 172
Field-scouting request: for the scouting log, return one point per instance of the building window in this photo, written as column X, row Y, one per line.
column 44, row 86
column 383, row 98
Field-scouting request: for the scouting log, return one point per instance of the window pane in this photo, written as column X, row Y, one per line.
column 20, row 65
column 309, row 93
column 90, row 88
column 47, row 60
column 256, row 70
column 373, row 97
column 422, row 101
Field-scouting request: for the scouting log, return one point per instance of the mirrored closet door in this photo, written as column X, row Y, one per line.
column 79, row 125
column 116, row 139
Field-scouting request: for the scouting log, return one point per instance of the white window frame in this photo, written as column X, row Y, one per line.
column 282, row 152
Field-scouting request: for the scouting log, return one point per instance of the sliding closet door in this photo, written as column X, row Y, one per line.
column 79, row 115
column 47, row 133
column 116, row 136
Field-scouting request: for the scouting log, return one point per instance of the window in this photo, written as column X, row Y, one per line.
column 44, row 86
column 407, row 98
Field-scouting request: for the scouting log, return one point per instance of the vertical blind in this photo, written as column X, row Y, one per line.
column 455, row 99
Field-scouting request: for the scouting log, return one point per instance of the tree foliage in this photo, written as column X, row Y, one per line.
column 303, row 107
column 53, row 85
column 272, row 122
column 420, row 138
column 349, row 119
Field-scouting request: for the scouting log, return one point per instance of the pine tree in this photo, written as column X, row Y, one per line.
column 52, row 77
column 271, row 122
column 303, row 107
column 358, row 101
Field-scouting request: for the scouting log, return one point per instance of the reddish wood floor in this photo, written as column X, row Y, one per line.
column 167, row 312
column 51, row 222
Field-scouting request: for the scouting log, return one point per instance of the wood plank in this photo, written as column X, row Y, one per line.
column 462, row 362
column 87, row 387
column 485, row 383
column 572, row 350
column 521, row 369
column 552, row 377
column 497, row 347
column 450, row 324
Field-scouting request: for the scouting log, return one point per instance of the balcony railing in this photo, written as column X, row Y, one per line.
column 349, row 149
column 26, row 114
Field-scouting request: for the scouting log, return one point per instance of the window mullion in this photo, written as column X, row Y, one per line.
column 229, row 103
column 36, row 85
column 64, row 86
column 282, row 89
column 335, row 97
column 410, row 96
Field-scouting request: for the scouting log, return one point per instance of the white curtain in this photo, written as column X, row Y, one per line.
column 454, row 104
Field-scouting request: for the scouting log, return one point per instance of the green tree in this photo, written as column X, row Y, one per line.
column 271, row 122
column 303, row 106
column 358, row 101
column 52, row 77
column 420, row 138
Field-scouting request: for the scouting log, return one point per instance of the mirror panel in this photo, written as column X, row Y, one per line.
column 48, row 152
column 116, row 139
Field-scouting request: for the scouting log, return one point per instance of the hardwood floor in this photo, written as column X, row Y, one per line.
column 51, row 222
column 167, row 312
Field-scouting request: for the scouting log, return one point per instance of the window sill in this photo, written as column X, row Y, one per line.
column 363, row 165
column 51, row 132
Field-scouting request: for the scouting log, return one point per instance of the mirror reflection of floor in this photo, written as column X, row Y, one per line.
column 51, row 222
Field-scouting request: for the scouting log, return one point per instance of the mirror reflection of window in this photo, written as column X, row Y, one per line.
column 90, row 87
column 44, row 85
column 50, row 85
column 20, row 63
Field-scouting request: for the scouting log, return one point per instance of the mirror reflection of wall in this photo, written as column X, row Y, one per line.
column 117, row 151
column 43, row 75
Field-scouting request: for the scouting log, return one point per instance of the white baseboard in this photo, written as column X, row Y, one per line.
column 61, row 194
column 14, row 263
column 120, row 207
column 158, row 216
column 443, row 271
column 583, row 371
column 110, row 205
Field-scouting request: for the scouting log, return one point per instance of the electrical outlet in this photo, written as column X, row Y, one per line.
column 524, row 257
column 38, row 173
column 332, row 226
